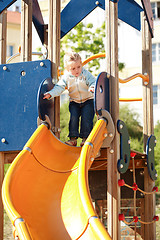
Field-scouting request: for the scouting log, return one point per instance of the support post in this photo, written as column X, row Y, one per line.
column 54, row 52
column 113, row 191
column 148, row 129
column 26, row 30
column 1, row 204
column 3, row 36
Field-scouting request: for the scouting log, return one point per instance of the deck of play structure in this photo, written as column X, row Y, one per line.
column 103, row 190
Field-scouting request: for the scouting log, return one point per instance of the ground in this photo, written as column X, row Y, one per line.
column 8, row 226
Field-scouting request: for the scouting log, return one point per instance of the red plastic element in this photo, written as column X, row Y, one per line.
column 132, row 154
column 121, row 182
column 135, row 218
column 135, row 187
column 155, row 189
column 155, row 218
column 121, row 217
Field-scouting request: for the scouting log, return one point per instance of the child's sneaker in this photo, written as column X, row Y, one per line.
column 83, row 141
column 72, row 142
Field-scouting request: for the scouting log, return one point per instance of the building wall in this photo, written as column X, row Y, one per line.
column 13, row 34
column 13, row 39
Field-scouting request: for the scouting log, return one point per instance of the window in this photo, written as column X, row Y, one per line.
column 156, row 52
column 155, row 94
column 153, row 5
column 153, row 52
column 9, row 50
column 156, row 9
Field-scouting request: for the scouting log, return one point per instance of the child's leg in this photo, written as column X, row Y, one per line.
column 87, row 115
column 74, row 109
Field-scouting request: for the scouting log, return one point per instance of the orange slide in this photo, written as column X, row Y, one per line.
column 45, row 191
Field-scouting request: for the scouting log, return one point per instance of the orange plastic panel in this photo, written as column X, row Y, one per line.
column 47, row 189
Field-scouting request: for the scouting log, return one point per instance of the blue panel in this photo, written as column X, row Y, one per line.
column 74, row 12
column 101, row 93
column 18, row 101
column 128, row 12
column 123, row 162
column 5, row 4
column 45, row 106
column 151, row 143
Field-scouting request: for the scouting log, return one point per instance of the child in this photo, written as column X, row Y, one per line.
column 80, row 84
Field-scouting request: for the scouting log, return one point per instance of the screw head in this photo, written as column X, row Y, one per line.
column 145, row 83
column 121, row 166
column 105, row 135
column 23, row 73
column 4, row 68
column 3, row 140
column 111, row 151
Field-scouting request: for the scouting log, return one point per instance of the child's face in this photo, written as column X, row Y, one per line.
column 75, row 68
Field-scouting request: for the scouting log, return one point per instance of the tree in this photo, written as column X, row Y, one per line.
column 135, row 130
column 84, row 39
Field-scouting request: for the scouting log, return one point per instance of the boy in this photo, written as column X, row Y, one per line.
column 80, row 84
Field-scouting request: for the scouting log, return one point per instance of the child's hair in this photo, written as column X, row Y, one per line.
column 71, row 57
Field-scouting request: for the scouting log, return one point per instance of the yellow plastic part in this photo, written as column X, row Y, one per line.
column 99, row 55
column 47, row 188
column 130, row 99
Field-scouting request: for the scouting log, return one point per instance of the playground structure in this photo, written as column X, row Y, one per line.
column 114, row 161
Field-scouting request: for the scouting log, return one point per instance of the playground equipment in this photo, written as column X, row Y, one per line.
column 136, row 171
column 61, row 207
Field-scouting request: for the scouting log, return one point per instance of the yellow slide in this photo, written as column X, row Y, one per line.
column 45, row 191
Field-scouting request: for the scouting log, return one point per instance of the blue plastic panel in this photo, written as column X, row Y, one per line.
column 5, row 4
column 19, row 85
column 76, row 11
column 45, row 106
column 101, row 93
column 151, row 143
column 128, row 11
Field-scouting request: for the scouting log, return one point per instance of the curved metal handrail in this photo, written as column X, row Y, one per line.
column 18, row 54
column 145, row 76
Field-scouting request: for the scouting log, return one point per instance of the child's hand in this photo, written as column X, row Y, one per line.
column 47, row 96
column 91, row 89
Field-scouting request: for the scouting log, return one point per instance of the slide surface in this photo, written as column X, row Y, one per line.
column 46, row 192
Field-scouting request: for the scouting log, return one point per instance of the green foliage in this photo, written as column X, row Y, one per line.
column 84, row 39
column 131, row 119
column 64, row 121
column 121, row 66
column 157, row 152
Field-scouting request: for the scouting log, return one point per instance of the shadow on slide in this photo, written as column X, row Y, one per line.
column 45, row 191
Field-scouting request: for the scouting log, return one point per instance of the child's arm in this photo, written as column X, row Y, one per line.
column 91, row 80
column 56, row 90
